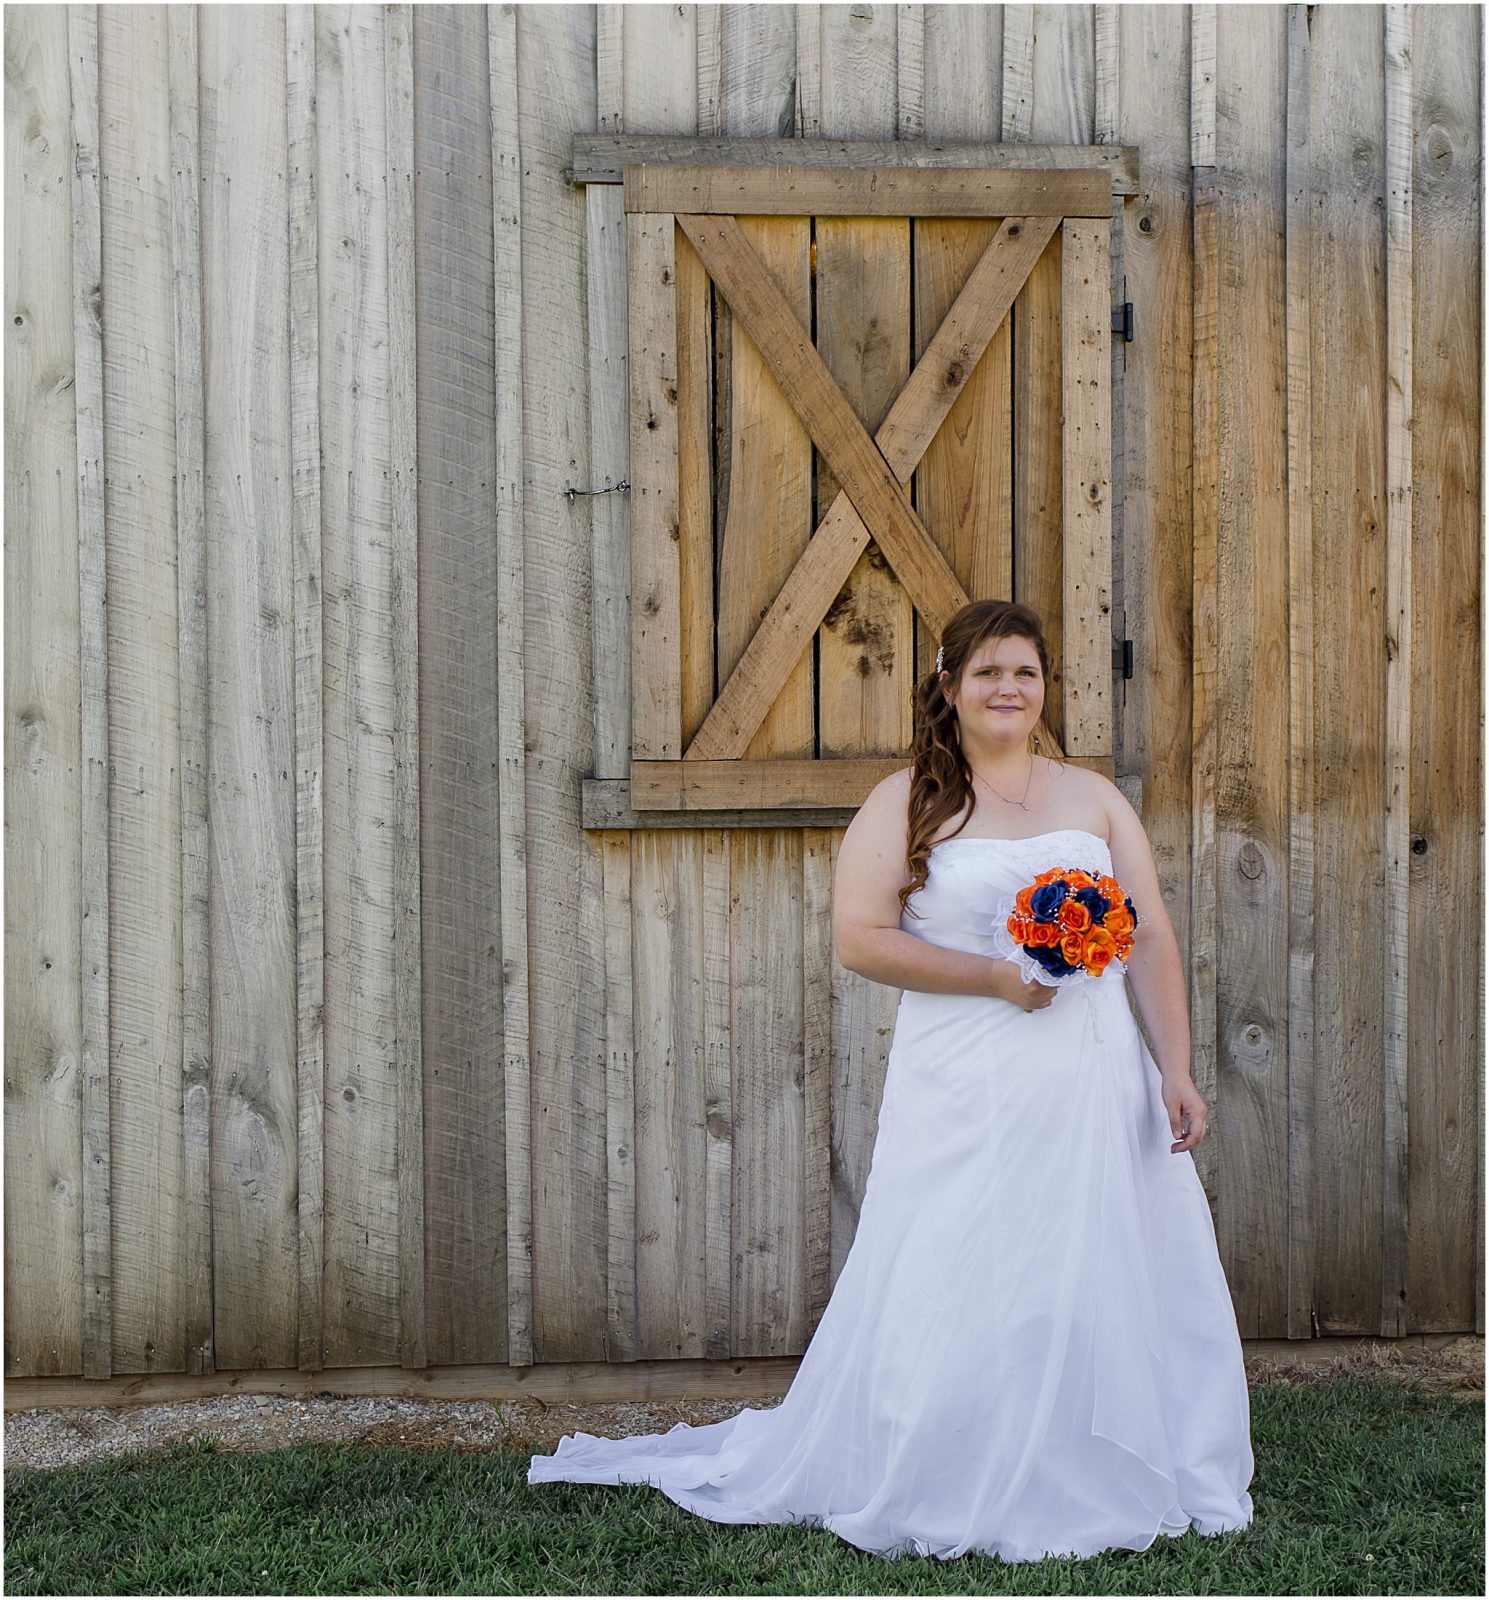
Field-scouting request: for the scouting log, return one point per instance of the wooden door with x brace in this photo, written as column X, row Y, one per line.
column 893, row 319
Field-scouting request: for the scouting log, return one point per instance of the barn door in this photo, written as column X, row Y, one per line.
column 859, row 322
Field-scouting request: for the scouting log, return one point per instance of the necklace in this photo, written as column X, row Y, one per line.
column 1003, row 797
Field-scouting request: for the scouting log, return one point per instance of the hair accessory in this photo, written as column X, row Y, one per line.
column 940, row 655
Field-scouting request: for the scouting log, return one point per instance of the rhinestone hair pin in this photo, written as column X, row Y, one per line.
column 940, row 655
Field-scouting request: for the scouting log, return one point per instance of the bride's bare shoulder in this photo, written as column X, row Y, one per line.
column 880, row 822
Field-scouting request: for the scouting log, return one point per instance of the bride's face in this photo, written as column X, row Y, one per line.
column 1001, row 693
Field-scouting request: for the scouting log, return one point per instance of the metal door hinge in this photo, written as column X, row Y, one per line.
column 1122, row 321
column 1122, row 657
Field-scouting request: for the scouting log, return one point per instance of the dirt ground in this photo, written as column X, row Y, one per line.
column 43, row 1439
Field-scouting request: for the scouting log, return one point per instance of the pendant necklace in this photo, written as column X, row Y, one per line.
column 1004, row 798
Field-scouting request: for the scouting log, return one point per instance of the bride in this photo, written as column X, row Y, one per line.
column 1030, row 1349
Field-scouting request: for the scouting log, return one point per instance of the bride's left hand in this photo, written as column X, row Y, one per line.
column 1183, row 1102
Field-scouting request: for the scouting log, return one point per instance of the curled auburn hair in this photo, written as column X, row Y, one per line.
column 941, row 779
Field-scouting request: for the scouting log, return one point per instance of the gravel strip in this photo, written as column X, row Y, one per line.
column 45, row 1439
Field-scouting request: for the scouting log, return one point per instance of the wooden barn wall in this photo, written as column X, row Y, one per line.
column 332, row 1038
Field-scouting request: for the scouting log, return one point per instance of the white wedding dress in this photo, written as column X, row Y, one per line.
column 1030, row 1349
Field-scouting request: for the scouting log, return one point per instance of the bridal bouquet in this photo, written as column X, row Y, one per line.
column 1067, row 925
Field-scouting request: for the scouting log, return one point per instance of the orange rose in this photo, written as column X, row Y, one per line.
column 1118, row 921
column 1073, row 947
column 1043, row 933
column 1100, row 947
column 1074, row 917
column 1081, row 880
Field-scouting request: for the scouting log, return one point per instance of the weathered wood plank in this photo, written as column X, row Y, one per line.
column 87, row 323
column 460, row 825
column 1251, row 816
column 671, row 1089
column 147, row 1178
column 1018, row 73
column 622, row 1336
column 363, row 1261
column 1085, row 476
column 45, row 988
column 767, row 1030
column 1204, row 951
column 758, row 781
column 1348, row 335
column 1445, row 946
column 870, row 192
column 403, row 648
column 193, row 608
column 1400, row 121
column 873, row 1017
column 606, row 803
column 309, row 678
column 509, row 501
column 656, row 666
column 556, row 89
column 244, row 571
column 1302, row 1222
column 718, row 1104
column 603, row 158
column 609, row 410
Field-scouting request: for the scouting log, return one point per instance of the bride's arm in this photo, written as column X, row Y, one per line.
column 869, row 873
column 894, row 957
column 1154, row 969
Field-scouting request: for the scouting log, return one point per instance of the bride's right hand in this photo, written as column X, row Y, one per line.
column 1031, row 995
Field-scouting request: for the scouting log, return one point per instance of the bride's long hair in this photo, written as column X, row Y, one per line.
column 941, row 779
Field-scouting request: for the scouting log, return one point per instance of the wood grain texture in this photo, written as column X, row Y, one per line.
column 363, row 1262
column 403, row 647
column 87, row 323
column 1302, row 919
column 964, row 81
column 888, row 191
column 193, row 604
column 1400, row 119
column 656, row 625
column 509, row 502
column 1445, row 946
column 621, row 1060
column 1250, row 817
column 147, row 1171
column 44, row 790
column 671, row 1091
column 1347, row 333
column 309, row 678
column 1085, row 476
column 460, row 878
column 556, row 88
column 1205, row 623
column 246, row 569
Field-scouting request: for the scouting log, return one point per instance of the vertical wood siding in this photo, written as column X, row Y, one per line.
column 333, row 1038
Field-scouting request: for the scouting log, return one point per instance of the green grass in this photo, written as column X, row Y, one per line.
column 1363, row 1486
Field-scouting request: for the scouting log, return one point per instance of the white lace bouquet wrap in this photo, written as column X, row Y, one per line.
column 1102, row 897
